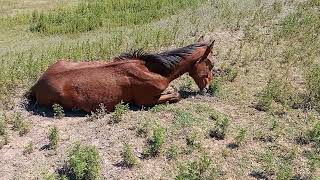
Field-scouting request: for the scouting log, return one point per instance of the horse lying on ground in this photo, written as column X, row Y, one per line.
column 136, row 77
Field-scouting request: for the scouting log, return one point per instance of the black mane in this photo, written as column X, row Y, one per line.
column 163, row 62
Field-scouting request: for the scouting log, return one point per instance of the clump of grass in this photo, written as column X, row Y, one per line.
column 278, row 89
column 220, row 129
column 192, row 142
column 313, row 162
column 53, row 138
column 58, row 111
column 215, row 87
column 268, row 163
column 313, row 85
column 120, row 110
column 3, row 140
column 285, row 168
column 314, row 135
column 143, row 130
column 198, row 169
column 158, row 108
column 187, row 84
column 84, row 162
column 183, row 118
column 28, row 149
column 231, row 74
column 20, row 125
column 129, row 158
column 241, row 137
column 172, row 152
column 156, row 142
column 98, row 114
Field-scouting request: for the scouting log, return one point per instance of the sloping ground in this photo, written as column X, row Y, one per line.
column 247, row 45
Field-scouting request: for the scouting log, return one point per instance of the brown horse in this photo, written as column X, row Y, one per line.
column 135, row 77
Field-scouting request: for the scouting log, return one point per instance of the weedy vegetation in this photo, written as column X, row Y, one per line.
column 84, row 162
column 120, row 110
column 53, row 138
column 156, row 142
column 128, row 156
column 58, row 111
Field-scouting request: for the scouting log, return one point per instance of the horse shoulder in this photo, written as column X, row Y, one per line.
column 140, row 74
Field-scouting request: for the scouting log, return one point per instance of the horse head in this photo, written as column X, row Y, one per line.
column 201, row 71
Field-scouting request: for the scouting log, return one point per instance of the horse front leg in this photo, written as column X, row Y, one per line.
column 171, row 98
column 163, row 98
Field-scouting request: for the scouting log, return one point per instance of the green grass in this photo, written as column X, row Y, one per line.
column 91, row 15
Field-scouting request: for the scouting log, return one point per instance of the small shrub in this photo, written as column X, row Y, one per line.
column 198, row 169
column 156, row 142
column 84, row 163
column 172, row 152
column 215, row 87
column 241, row 136
column 28, row 149
column 58, row 111
column 220, row 129
column 98, row 114
column 264, row 100
column 53, row 138
column 119, row 111
column 129, row 158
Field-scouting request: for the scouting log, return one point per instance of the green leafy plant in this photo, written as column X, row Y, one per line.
column 120, row 110
column 58, row 111
column 220, row 129
column 156, row 142
column 129, row 158
column 84, row 163
column 53, row 138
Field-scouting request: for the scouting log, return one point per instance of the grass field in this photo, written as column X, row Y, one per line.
column 261, row 122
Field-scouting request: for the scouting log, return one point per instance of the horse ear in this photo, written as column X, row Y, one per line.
column 201, row 39
column 208, row 51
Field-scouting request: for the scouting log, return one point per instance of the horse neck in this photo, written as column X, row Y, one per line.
column 185, row 65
